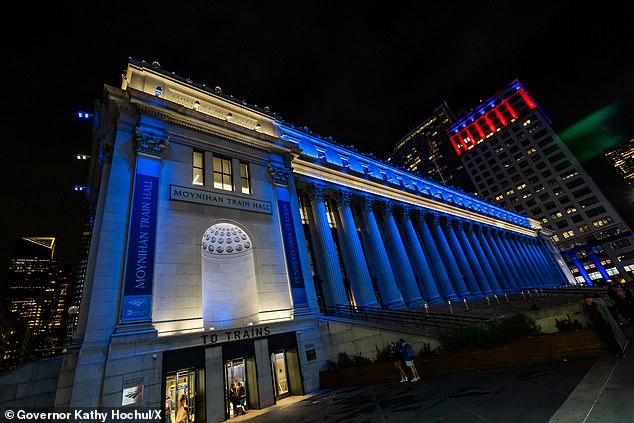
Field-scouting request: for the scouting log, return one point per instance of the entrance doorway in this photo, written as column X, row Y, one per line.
column 278, row 360
column 235, row 375
column 182, row 389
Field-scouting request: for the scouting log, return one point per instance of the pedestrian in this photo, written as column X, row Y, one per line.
column 233, row 399
column 624, row 302
column 397, row 359
column 182, row 415
column 168, row 409
column 408, row 357
column 604, row 324
column 242, row 397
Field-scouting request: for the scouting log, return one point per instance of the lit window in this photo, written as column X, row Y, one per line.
column 222, row 174
column 198, row 177
column 556, row 238
column 612, row 271
column 244, row 178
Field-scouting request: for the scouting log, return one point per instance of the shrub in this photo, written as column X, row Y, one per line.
column 345, row 360
column 568, row 325
column 487, row 334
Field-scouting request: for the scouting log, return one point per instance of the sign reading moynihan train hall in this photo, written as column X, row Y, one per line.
column 208, row 198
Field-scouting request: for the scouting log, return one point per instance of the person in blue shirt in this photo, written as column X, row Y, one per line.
column 408, row 357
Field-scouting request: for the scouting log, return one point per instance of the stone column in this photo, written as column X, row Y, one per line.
column 525, row 277
column 386, row 283
column 524, row 244
column 427, row 281
column 513, row 241
column 332, row 273
column 440, row 272
column 450, row 261
column 483, row 260
column 505, row 261
column 459, row 253
column 538, row 253
column 493, row 256
column 360, row 280
column 559, row 276
column 409, row 288
column 482, row 284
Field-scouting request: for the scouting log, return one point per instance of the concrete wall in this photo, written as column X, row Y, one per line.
column 31, row 385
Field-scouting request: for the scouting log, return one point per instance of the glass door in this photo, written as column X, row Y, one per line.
column 235, row 375
column 278, row 359
column 180, row 396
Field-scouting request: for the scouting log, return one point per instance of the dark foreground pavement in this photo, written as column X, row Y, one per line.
column 573, row 391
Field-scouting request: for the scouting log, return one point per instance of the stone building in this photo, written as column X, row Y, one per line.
column 223, row 236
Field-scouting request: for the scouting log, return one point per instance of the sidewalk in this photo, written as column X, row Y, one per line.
column 569, row 391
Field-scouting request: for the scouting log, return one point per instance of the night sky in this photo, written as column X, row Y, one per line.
column 365, row 76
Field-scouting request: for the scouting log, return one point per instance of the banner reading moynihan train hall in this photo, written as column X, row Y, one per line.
column 137, row 290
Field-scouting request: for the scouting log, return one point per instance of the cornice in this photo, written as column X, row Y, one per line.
column 314, row 171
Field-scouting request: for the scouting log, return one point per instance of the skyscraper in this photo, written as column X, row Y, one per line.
column 622, row 158
column 427, row 150
column 517, row 160
column 35, row 295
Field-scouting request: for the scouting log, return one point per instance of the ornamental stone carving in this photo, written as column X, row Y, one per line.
column 148, row 143
column 225, row 238
column 280, row 174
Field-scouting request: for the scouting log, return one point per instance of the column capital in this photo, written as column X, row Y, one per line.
column 345, row 197
column 407, row 211
column 149, row 143
column 316, row 192
column 435, row 218
column 368, row 202
column 389, row 208
column 279, row 174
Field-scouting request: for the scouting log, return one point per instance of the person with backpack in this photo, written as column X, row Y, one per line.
column 397, row 360
column 408, row 357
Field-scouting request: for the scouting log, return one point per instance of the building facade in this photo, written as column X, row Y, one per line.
column 427, row 150
column 517, row 160
column 35, row 294
column 223, row 235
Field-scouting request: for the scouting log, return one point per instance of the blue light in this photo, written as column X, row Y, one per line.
column 79, row 188
column 158, row 91
column 84, row 115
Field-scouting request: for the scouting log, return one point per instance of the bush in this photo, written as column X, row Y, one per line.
column 488, row 334
column 568, row 325
column 345, row 360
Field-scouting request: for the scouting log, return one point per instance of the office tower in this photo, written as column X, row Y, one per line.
column 35, row 294
column 622, row 158
column 427, row 150
column 517, row 160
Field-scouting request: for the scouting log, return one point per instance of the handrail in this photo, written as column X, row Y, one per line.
column 410, row 318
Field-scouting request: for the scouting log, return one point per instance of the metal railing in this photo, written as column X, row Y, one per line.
column 403, row 319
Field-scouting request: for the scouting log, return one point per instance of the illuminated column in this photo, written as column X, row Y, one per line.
column 336, row 291
column 514, row 278
column 474, row 262
column 543, row 262
column 514, row 242
column 524, row 276
column 582, row 271
column 483, row 261
column 538, row 266
column 408, row 287
column 458, row 252
column 361, row 283
column 598, row 265
column 493, row 259
column 450, row 261
column 558, row 274
column 420, row 261
column 440, row 272
column 540, row 263
column 387, row 285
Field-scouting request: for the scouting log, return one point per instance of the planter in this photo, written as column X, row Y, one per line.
column 542, row 348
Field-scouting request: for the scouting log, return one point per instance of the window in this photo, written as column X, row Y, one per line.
column 244, row 178
column 198, row 177
column 222, row 173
